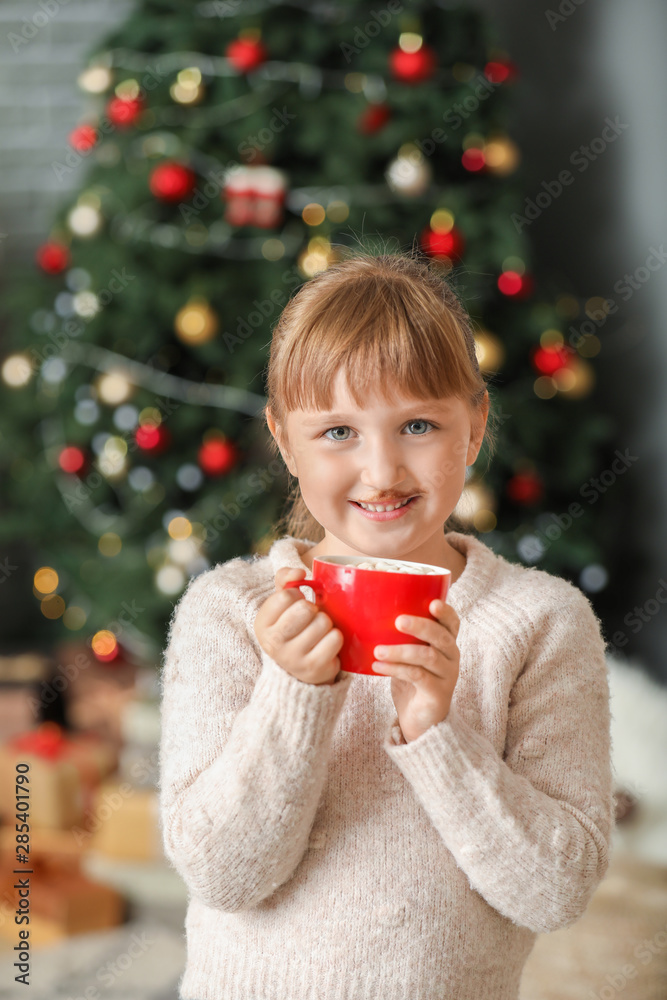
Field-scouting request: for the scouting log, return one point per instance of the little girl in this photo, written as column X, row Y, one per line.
column 405, row 836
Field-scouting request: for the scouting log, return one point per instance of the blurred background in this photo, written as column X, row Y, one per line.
column 169, row 174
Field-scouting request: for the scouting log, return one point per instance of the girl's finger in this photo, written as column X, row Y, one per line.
column 438, row 634
column 429, row 656
column 407, row 672
column 445, row 614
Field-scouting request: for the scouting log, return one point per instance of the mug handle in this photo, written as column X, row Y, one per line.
column 308, row 582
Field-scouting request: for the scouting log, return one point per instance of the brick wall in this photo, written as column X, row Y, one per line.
column 40, row 102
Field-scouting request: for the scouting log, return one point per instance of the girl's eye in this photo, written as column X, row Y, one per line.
column 345, row 428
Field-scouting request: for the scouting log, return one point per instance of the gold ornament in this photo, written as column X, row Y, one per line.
column 196, row 323
column 476, row 506
column 576, row 380
column 188, row 88
column 316, row 256
column 501, row 155
column 489, row 350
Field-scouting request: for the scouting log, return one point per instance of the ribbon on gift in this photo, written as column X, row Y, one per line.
column 90, row 755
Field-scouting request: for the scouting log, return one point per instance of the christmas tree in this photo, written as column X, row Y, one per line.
column 229, row 150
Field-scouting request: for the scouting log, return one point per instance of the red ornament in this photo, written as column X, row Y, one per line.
column 498, row 71
column 52, row 257
column 217, row 456
column 413, row 67
column 549, row 360
column 83, row 138
column 246, row 54
column 516, row 285
column 451, row 244
column 71, row 459
column 374, row 118
column 172, row 181
column 525, row 488
column 113, row 654
column 473, row 159
column 153, row 438
column 124, row 111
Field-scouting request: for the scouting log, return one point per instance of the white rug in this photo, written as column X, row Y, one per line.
column 639, row 755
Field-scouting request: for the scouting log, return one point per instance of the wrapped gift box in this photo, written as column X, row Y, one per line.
column 23, row 681
column 63, row 900
column 64, row 771
column 128, row 824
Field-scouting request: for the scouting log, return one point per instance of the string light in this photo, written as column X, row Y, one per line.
column 16, row 370
column 170, row 580
column 84, row 220
column 105, row 645
column 113, row 388
column 95, row 79
column 179, row 527
column 45, row 580
column 410, row 42
column 196, row 323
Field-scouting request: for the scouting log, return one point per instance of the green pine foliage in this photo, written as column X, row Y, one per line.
column 298, row 112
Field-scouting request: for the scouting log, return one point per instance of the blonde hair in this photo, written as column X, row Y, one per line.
column 387, row 319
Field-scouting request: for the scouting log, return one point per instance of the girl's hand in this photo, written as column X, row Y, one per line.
column 423, row 678
column 296, row 634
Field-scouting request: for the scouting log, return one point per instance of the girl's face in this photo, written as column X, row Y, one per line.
column 392, row 449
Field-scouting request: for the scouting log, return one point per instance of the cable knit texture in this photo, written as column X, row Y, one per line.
column 327, row 859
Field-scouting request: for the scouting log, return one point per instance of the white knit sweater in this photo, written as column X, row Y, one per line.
column 327, row 859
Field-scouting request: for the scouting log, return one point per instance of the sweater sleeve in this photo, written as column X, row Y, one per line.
column 531, row 831
column 243, row 752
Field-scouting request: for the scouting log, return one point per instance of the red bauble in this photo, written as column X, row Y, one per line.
column 436, row 244
column 124, row 111
column 413, row 67
column 52, row 257
column 374, row 118
column 525, row 488
column 549, row 360
column 518, row 286
column 473, row 159
column 246, row 54
column 83, row 138
column 217, row 456
column 498, row 71
column 72, row 459
column 172, row 181
column 152, row 438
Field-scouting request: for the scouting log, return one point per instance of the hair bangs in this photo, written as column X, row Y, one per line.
column 385, row 339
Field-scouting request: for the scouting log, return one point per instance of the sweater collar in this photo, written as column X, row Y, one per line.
column 482, row 564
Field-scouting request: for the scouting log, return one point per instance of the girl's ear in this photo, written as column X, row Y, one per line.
column 478, row 428
column 277, row 434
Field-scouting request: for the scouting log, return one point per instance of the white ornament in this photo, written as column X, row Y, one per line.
column 409, row 174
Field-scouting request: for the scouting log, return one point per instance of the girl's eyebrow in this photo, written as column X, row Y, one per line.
column 426, row 407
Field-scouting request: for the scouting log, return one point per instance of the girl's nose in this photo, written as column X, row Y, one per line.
column 382, row 472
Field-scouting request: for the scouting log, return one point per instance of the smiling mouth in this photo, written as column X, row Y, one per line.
column 393, row 504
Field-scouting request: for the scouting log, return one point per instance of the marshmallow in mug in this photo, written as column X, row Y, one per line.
column 393, row 567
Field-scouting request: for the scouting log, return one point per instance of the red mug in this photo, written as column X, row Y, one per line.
column 365, row 603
